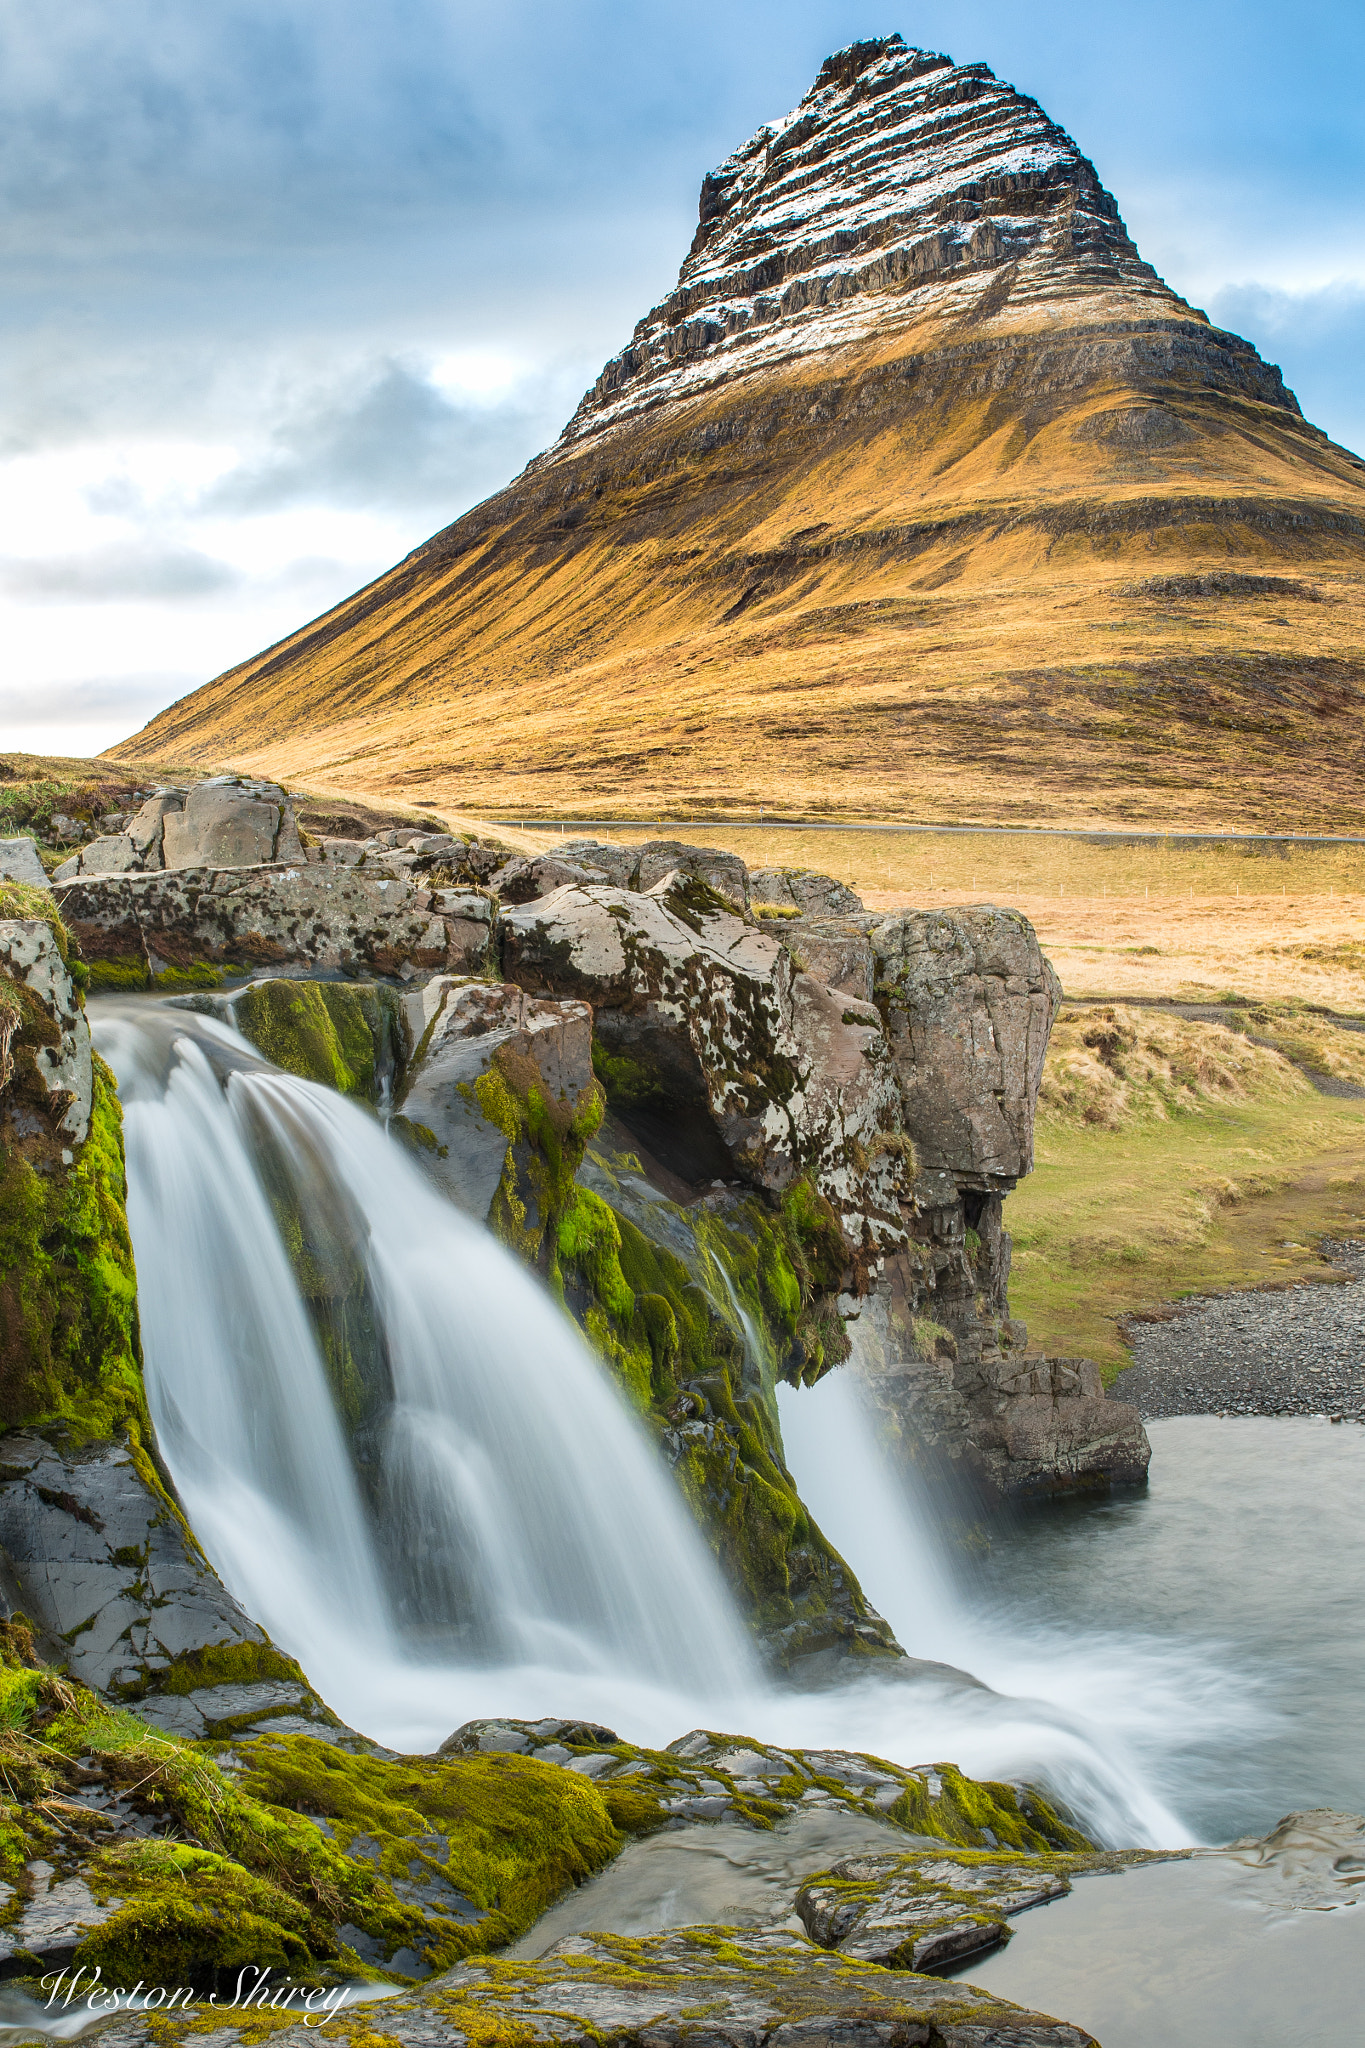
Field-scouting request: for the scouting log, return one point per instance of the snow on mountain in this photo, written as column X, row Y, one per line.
column 884, row 196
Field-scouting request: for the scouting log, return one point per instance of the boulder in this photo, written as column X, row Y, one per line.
column 926, row 1911
column 228, row 822
column 105, row 1563
column 726, row 1060
column 500, row 1099
column 814, row 895
column 225, row 822
column 642, row 867
column 199, row 928
column 969, row 1003
column 19, row 862
column 522, row 881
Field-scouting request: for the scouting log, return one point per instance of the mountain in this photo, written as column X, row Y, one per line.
column 920, row 495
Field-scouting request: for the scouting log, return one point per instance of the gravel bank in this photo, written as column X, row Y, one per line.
column 1296, row 1352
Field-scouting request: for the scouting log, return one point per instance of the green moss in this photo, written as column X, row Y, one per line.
column 546, row 1141
column 119, row 977
column 228, row 1664
column 69, row 1346
column 341, row 1034
column 684, row 1365
column 196, row 974
column 964, row 1808
column 510, row 1832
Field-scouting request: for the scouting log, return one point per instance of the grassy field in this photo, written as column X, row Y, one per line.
column 1176, row 1158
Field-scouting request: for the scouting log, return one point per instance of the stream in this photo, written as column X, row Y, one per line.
column 499, row 1538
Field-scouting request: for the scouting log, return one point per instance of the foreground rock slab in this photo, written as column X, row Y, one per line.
column 925, row 1911
column 701, row 1985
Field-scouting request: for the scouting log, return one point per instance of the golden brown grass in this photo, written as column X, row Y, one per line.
column 849, row 591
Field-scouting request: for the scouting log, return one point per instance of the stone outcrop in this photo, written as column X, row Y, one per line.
column 969, row 1003
column 107, row 1569
column 227, row 821
column 499, row 1087
column 726, row 1059
column 202, row 927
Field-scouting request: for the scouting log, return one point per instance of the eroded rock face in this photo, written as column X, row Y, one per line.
column 107, row 1569
column 719, row 1050
column 203, row 926
column 481, row 1050
column 969, row 1003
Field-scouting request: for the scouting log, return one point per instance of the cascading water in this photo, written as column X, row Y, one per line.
column 518, row 1503
column 509, row 1542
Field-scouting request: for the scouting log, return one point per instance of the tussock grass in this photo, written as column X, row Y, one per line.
column 1178, row 1157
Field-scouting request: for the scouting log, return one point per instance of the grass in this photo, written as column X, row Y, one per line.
column 1178, row 1158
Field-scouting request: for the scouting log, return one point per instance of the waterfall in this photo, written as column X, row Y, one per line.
column 517, row 1516
column 435, row 1496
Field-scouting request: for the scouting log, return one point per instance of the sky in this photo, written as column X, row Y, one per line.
column 286, row 285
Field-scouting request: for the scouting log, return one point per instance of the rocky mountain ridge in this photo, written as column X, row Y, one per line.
column 920, row 495
column 899, row 170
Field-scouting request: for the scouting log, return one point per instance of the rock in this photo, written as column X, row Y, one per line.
column 228, row 822
column 347, row 1035
column 724, row 1059
column 969, row 1002
column 112, row 855
column 724, row 1987
column 521, row 881
column 837, row 951
column 814, row 895
column 59, row 1913
column 200, row 928
column 1045, row 1426
column 723, row 872
column 105, row 1562
column 922, row 1911
column 485, row 1056
column 145, row 827
column 30, row 957
column 19, row 862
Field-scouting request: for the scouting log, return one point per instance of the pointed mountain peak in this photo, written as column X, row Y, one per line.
column 904, row 188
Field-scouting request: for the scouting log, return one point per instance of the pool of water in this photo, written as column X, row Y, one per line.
column 1249, row 1545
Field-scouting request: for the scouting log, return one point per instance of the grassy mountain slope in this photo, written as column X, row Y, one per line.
column 986, row 524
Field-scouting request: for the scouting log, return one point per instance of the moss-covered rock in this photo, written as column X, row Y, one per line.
column 68, row 1293
column 346, row 1035
column 288, row 1852
column 697, row 1319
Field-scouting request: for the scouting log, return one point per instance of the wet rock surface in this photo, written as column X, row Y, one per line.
column 1291, row 1351
column 106, row 1569
column 921, row 1912
column 702, row 1985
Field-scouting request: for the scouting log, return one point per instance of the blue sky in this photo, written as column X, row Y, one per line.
column 287, row 284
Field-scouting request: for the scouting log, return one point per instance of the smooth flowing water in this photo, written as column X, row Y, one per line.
column 508, row 1541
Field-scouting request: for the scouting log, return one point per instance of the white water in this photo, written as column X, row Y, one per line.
column 522, row 1551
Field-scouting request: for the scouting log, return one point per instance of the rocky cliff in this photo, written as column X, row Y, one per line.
column 920, row 494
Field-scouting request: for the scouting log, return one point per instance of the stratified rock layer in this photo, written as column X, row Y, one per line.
column 919, row 495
